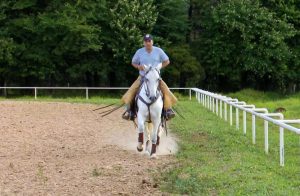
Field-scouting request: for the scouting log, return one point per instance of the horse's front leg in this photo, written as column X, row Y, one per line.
column 148, row 132
column 156, row 124
column 141, row 128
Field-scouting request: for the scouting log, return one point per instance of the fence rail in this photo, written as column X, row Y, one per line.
column 218, row 104
column 85, row 88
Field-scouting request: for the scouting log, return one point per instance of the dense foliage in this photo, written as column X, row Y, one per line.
column 221, row 45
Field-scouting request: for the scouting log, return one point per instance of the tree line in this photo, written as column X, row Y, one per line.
column 221, row 45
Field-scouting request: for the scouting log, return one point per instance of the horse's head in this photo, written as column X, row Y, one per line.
column 152, row 80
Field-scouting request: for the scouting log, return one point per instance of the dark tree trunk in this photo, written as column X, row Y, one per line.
column 111, row 79
column 88, row 79
column 95, row 80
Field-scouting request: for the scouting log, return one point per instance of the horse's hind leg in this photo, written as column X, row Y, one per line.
column 148, row 129
column 157, row 140
column 159, row 133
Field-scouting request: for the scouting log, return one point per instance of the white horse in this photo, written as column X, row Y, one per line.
column 150, row 105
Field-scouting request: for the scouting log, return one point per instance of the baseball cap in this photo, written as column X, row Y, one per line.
column 148, row 37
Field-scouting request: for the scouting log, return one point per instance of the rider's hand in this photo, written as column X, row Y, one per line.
column 159, row 66
column 141, row 67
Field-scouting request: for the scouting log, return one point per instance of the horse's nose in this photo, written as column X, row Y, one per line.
column 152, row 98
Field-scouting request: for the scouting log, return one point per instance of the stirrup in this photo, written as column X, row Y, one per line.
column 169, row 113
column 128, row 115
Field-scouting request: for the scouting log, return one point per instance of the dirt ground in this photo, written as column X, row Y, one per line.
column 66, row 149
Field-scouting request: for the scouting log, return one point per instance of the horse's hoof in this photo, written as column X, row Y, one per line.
column 139, row 149
column 153, row 156
column 147, row 153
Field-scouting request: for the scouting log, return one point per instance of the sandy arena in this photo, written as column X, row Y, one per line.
column 50, row 148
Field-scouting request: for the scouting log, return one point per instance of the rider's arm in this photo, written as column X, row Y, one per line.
column 165, row 63
column 136, row 61
column 164, row 58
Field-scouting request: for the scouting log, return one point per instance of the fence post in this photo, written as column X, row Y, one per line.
column 253, row 129
column 237, row 118
column 281, row 148
column 266, row 125
column 35, row 93
column 207, row 101
column 217, row 107
column 244, row 123
column 230, row 117
column 200, row 97
column 225, row 111
column 190, row 93
column 221, row 108
column 87, row 93
column 5, row 90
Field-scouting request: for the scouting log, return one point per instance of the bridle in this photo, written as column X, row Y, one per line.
column 145, row 83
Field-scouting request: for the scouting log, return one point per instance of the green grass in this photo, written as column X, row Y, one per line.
column 271, row 101
column 215, row 158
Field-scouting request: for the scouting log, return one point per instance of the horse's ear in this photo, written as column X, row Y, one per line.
column 159, row 66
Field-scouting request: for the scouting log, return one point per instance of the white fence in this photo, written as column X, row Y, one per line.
column 218, row 104
column 83, row 88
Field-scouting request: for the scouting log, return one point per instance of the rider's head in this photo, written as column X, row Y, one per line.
column 148, row 41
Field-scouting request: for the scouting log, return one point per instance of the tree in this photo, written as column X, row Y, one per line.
column 289, row 11
column 128, row 21
column 185, row 69
column 242, row 40
column 51, row 39
column 172, row 22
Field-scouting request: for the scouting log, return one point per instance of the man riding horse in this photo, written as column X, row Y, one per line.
column 148, row 55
